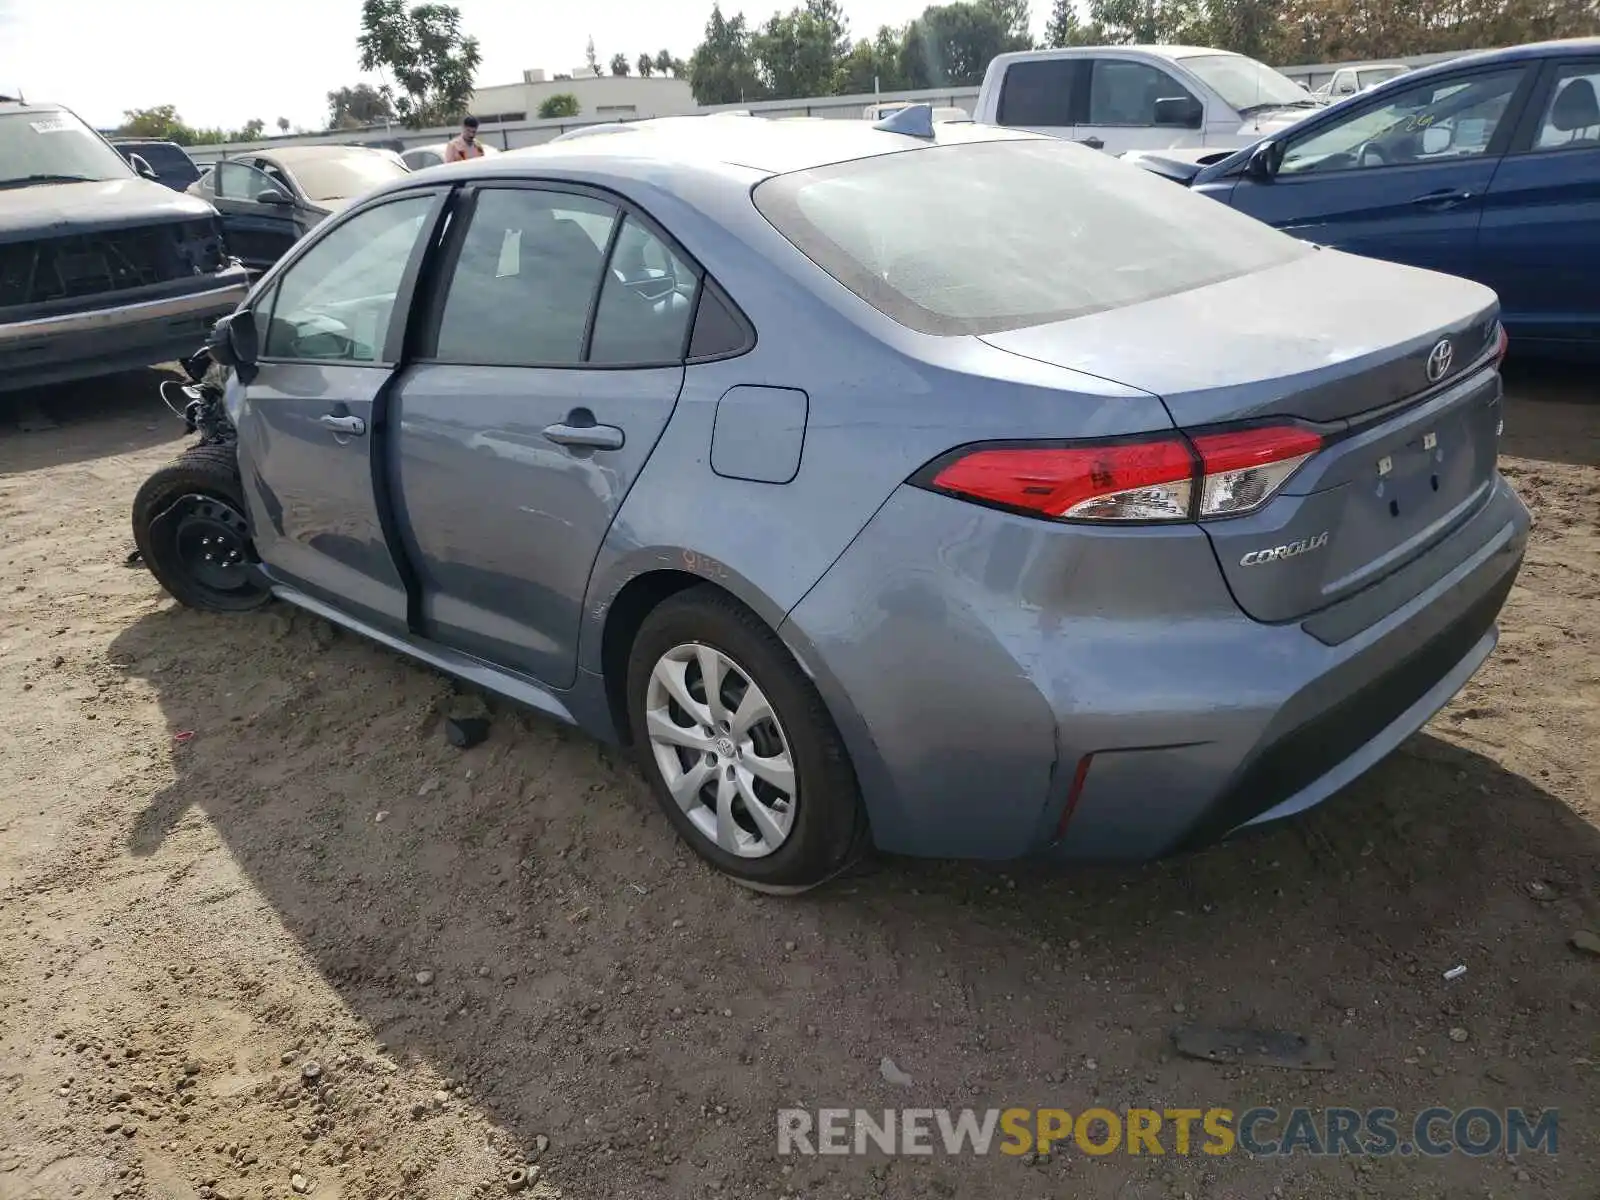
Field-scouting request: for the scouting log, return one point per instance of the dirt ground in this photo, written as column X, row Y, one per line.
column 263, row 932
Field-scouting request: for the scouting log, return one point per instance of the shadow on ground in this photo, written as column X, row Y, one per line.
column 593, row 982
column 90, row 419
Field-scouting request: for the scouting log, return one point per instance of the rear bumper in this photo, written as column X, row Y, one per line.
column 100, row 341
column 972, row 659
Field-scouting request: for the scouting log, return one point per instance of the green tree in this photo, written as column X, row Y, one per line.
column 253, row 129
column 873, row 65
column 950, row 45
column 426, row 53
column 798, row 53
column 647, row 66
column 722, row 69
column 1064, row 28
column 161, row 122
column 1016, row 18
column 283, row 125
column 1119, row 22
column 562, row 104
column 620, row 64
column 667, row 65
column 353, row 107
column 1252, row 27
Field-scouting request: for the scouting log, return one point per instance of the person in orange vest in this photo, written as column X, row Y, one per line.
column 465, row 145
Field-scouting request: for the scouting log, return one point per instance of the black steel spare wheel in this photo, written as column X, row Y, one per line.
column 212, row 540
column 190, row 525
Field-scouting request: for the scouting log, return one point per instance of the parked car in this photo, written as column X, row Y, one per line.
column 1120, row 98
column 170, row 162
column 101, row 270
column 420, row 157
column 1347, row 81
column 860, row 519
column 270, row 199
column 1486, row 167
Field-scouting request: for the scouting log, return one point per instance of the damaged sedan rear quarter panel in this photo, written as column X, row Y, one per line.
column 100, row 269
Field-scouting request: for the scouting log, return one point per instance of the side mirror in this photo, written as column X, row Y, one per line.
column 142, row 168
column 275, row 197
column 234, row 342
column 1262, row 166
column 1185, row 112
column 1436, row 139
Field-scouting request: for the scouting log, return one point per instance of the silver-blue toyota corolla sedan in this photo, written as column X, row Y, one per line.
column 959, row 492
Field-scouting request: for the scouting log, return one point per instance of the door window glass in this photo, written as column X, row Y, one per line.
column 1125, row 93
column 335, row 302
column 646, row 301
column 525, row 280
column 1433, row 122
column 1040, row 93
column 1572, row 118
column 239, row 181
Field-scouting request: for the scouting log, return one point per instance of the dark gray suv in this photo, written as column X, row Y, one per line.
column 101, row 270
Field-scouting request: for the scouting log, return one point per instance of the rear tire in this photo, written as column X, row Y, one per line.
column 190, row 526
column 758, row 782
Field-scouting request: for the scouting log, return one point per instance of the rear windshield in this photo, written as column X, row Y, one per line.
column 983, row 237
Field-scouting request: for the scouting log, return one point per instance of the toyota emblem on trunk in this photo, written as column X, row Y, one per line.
column 1439, row 360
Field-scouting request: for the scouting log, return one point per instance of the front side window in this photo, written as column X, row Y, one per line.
column 240, row 181
column 53, row 146
column 1125, row 93
column 1432, row 122
column 335, row 302
column 1042, row 93
column 1065, row 231
column 1572, row 118
column 525, row 279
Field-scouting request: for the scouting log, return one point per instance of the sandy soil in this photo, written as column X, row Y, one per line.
column 262, row 929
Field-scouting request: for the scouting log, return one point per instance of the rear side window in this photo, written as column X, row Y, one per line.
column 525, row 279
column 977, row 238
column 1035, row 94
column 646, row 302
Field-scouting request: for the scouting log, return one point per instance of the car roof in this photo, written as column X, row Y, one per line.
column 1150, row 49
column 771, row 146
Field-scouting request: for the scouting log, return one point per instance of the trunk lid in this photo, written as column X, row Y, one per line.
column 1343, row 345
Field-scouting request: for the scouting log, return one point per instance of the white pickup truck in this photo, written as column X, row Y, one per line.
column 1122, row 98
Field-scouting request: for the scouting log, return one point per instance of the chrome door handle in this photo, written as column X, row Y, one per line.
column 351, row 425
column 1442, row 199
column 593, row 437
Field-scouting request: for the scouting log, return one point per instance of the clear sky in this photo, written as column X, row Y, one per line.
column 223, row 62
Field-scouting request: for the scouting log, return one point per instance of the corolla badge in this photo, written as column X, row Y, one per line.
column 1439, row 360
column 1290, row 550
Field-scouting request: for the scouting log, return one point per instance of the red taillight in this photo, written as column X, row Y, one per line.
column 1163, row 478
column 1128, row 481
column 1502, row 344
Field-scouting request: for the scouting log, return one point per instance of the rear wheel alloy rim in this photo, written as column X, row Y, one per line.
column 212, row 540
column 721, row 750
